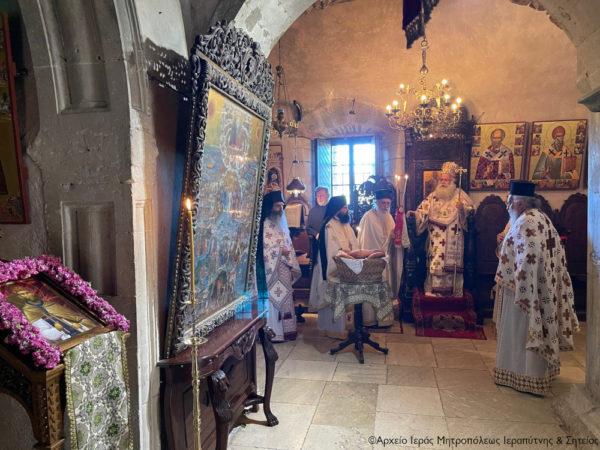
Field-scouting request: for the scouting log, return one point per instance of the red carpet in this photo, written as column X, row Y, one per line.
column 449, row 317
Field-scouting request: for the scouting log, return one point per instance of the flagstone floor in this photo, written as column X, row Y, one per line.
column 424, row 388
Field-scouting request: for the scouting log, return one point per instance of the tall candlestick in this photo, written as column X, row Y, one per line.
column 194, row 340
column 460, row 171
column 397, row 186
column 404, row 191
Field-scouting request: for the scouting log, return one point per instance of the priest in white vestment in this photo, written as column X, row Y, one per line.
column 537, row 319
column 497, row 290
column 376, row 232
column 281, row 268
column 336, row 234
column 444, row 214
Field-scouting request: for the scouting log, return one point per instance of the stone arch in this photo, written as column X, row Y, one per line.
column 331, row 118
column 266, row 20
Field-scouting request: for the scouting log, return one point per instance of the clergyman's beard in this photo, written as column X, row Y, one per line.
column 513, row 215
column 321, row 202
column 558, row 145
column 445, row 192
column 344, row 218
column 276, row 216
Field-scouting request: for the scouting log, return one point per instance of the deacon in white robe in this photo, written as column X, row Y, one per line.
column 537, row 319
column 281, row 268
column 376, row 232
column 336, row 234
column 444, row 214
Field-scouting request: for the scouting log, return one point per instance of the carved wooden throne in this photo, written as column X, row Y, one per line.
column 423, row 159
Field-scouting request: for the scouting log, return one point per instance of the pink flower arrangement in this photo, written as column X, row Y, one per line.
column 27, row 337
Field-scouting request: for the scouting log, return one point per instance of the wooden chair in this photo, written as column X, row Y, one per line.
column 490, row 219
column 573, row 219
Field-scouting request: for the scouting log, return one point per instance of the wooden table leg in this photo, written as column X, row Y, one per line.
column 270, row 358
column 47, row 409
column 218, row 385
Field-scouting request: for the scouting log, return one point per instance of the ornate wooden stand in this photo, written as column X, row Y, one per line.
column 227, row 364
column 41, row 392
column 359, row 336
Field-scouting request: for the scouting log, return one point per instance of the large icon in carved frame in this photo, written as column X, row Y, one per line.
column 557, row 151
column 497, row 155
column 225, row 168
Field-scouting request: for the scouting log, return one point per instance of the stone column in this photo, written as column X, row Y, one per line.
column 579, row 409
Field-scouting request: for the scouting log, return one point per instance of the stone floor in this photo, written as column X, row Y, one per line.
column 424, row 388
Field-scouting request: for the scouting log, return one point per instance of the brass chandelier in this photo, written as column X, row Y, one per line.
column 286, row 114
column 437, row 113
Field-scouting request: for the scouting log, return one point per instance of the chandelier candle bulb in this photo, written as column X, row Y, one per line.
column 458, row 100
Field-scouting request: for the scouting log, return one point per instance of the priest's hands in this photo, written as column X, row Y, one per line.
column 285, row 252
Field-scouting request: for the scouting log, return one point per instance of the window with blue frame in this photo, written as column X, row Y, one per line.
column 344, row 164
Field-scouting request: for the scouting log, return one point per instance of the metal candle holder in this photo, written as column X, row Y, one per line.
column 460, row 171
column 194, row 340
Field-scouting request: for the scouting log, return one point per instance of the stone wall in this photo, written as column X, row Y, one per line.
column 489, row 51
column 99, row 134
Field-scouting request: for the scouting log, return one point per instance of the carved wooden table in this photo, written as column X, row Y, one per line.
column 41, row 392
column 227, row 364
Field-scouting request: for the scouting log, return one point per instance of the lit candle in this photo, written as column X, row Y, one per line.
column 447, row 98
column 454, row 106
column 404, row 191
column 402, row 87
column 397, row 179
column 458, row 100
column 395, row 104
column 423, row 99
column 388, row 109
column 194, row 340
